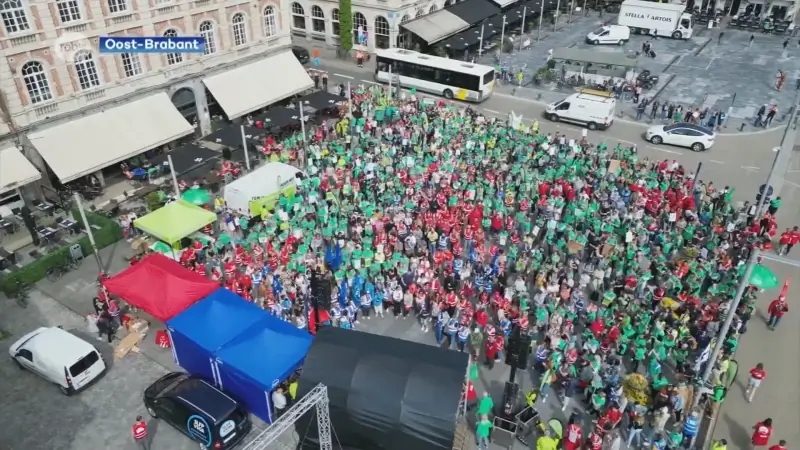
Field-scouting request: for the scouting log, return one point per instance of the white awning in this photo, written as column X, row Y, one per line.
column 436, row 26
column 245, row 89
column 85, row 145
column 503, row 3
column 15, row 170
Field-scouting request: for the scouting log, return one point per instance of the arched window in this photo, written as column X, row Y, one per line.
column 86, row 70
column 298, row 16
column 360, row 29
column 402, row 36
column 209, row 38
column 317, row 19
column 433, row 8
column 335, row 22
column 382, row 32
column 239, row 27
column 420, row 12
column 173, row 58
column 15, row 18
column 36, row 82
column 270, row 23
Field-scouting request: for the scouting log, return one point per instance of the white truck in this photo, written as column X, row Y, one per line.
column 656, row 19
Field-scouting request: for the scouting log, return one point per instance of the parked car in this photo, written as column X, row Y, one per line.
column 199, row 410
column 60, row 357
column 609, row 34
column 682, row 134
column 301, row 53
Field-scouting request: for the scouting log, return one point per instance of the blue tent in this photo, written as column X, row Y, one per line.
column 253, row 364
column 203, row 328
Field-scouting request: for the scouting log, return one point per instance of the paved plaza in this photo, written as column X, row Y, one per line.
column 101, row 416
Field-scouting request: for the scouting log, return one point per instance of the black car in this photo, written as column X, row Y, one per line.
column 301, row 53
column 198, row 410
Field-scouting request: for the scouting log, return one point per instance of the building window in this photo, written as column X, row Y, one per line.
column 131, row 65
column 117, row 6
column 298, row 16
column 402, row 36
column 360, row 28
column 270, row 23
column 207, row 31
column 36, row 82
column 173, row 58
column 335, row 21
column 86, row 70
column 382, row 32
column 15, row 19
column 420, row 12
column 68, row 10
column 239, row 29
column 433, row 8
column 317, row 19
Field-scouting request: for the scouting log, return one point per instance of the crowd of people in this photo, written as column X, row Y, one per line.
column 620, row 269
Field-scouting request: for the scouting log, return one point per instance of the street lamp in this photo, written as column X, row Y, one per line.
column 502, row 34
column 541, row 17
column 522, row 30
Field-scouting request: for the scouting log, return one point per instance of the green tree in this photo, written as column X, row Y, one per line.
column 346, row 24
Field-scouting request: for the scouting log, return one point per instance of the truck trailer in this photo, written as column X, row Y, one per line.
column 656, row 19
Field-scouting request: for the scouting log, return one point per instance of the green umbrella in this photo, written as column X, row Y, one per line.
column 162, row 247
column 197, row 196
column 763, row 278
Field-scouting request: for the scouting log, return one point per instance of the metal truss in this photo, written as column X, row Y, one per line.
column 318, row 399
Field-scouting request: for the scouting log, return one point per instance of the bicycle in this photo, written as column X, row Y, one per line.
column 56, row 272
column 20, row 293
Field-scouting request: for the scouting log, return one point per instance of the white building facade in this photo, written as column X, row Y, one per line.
column 378, row 20
column 52, row 76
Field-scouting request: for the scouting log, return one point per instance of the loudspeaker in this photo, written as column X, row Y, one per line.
column 226, row 154
column 524, row 347
column 518, row 349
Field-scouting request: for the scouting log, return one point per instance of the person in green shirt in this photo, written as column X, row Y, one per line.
column 486, row 404
column 482, row 431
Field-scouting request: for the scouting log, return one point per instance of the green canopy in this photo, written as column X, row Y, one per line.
column 175, row 221
column 763, row 278
column 197, row 197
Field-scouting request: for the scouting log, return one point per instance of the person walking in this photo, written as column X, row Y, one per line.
column 776, row 310
column 761, row 434
column 780, row 446
column 773, row 111
column 140, row 434
column 757, row 375
column 482, row 431
column 721, row 444
column 690, row 429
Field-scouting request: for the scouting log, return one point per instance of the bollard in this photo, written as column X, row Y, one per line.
column 539, row 96
column 741, row 128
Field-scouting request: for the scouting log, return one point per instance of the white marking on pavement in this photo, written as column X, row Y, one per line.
column 792, row 184
column 368, row 81
column 711, row 62
column 493, row 111
column 750, row 168
column 715, row 161
column 793, row 171
column 659, row 149
column 345, row 76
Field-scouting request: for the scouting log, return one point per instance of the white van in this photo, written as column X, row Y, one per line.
column 59, row 357
column 593, row 109
column 261, row 189
column 609, row 34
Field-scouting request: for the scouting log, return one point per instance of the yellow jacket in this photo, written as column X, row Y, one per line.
column 546, row 443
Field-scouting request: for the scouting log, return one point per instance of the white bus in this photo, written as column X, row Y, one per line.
column 449, row 78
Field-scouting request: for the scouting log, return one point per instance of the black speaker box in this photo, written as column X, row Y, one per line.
column 510, row 395
column 524, row 347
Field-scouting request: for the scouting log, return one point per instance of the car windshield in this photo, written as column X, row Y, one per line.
column 599, row 30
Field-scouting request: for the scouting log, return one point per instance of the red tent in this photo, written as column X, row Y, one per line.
column 160, row 286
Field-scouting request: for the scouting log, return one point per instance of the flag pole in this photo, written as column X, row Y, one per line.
column 174, row 178
column 244, row 146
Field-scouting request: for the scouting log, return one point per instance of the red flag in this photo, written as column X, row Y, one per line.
column 785, row 287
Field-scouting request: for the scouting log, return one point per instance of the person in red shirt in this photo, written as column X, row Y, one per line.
column 781, row 445
column 139, row 430
column 777, row 309
column 472, row 396
column 761, row 433
column 757, row 375
column 574, row 434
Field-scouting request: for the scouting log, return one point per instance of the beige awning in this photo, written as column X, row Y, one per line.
column 245, row 89
column 15, row 170
column 87, row 144
column 436, row 26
